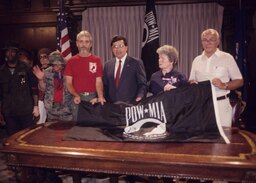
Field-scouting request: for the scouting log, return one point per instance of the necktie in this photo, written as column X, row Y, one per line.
column 118, row 73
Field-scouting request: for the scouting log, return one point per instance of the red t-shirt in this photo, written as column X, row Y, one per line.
column 84, row 71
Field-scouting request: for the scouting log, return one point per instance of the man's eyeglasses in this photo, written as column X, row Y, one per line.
column 43, row 56
column 118, row 46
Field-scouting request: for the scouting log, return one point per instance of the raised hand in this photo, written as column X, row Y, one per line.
column 38, row 73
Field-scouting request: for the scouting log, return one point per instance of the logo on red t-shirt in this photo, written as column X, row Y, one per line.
column 92, row 67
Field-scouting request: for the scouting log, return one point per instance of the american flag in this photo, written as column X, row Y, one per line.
column 63, row 41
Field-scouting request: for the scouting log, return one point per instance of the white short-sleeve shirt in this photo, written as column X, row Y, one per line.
column 220, row 65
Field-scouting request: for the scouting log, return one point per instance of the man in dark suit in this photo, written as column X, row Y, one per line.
column 124, row 77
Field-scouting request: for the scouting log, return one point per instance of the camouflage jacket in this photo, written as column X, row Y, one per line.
column 65, row 107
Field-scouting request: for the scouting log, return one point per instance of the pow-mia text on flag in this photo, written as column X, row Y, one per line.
column 141, row 115
column 150, row 41
column 150, row 28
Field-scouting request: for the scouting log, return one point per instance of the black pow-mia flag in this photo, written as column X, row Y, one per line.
column 185, row 114
column 150, row 41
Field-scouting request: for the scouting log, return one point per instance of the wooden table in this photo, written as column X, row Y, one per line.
column 43, row 147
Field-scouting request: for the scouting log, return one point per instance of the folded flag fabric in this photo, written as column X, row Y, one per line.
column 185, row 114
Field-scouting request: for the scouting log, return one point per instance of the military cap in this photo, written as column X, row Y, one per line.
column 56, row 58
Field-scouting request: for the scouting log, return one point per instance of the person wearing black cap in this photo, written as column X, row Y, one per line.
column 18, row 92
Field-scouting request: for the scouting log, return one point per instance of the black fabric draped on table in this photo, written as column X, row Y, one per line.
column 185, row 114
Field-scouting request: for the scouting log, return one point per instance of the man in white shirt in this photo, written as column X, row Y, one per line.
column 221, row 69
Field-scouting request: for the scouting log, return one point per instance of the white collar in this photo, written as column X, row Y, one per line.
column 216, row 53
column 122, row 59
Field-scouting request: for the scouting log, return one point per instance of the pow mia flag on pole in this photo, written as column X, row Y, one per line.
column 150, row 41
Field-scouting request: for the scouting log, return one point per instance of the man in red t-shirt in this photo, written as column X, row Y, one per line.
column 84, row 72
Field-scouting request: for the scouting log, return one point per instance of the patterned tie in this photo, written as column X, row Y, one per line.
column 118, row 73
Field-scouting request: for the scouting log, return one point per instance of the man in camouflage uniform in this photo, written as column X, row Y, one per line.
column 57, row 99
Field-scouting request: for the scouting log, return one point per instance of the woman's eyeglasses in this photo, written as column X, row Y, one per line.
column 43, row 56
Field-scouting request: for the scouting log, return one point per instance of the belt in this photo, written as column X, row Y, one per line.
column 87, row 93
column 223, row 97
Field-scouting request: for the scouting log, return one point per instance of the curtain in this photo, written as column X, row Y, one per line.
column 179, row 25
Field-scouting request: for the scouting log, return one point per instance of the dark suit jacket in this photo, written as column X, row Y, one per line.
column 132, row 83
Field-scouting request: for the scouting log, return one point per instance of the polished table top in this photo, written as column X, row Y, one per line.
column 43, row 146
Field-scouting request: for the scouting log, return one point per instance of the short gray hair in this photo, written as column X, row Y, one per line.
column 170, row 51
column 84, row 33
column 210, row 32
